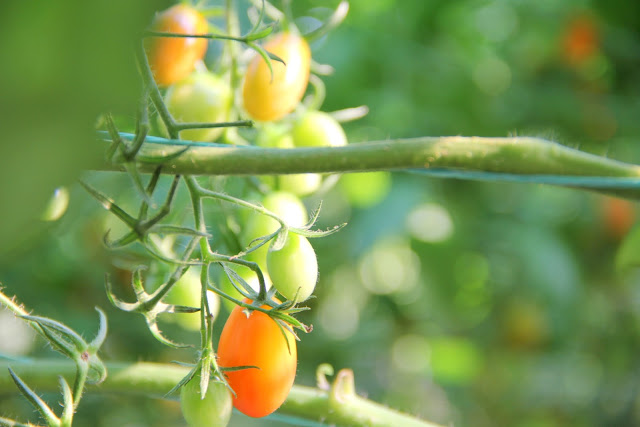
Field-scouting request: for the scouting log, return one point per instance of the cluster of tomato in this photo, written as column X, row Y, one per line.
column 270, row 94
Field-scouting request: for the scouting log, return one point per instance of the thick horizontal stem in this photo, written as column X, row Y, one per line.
column 155, row 380
column 516, row 155
column 506, row 155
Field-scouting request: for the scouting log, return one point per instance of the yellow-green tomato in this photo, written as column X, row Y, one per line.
column 201, row 97
column 186, row 291
column 318, row 129
column 214, row 410
column 294, row 268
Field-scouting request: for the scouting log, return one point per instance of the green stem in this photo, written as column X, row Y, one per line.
column 516, row 155
column 157, row 379
column 508, row 155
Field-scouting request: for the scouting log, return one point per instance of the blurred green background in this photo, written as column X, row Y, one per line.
column 466, row 303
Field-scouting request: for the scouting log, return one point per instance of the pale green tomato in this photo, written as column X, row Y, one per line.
column 300, row 184
column 286, row 206
column 318, row 129
column 274, row 136
column 201, row 97
column 294, row 268
column 187, row 292
column 212, row 411
column 367, row 188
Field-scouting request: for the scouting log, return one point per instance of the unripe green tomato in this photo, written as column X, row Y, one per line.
column 201, row 97
column 300, row 184
column 286, row 206
column 186, row 291
column 212, row 411
column 318, row 129
column 367, row 188
column 294, row 268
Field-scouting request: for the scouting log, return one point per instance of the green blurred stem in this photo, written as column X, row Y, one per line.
column 156, row 380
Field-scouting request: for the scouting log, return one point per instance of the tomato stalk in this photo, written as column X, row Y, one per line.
column 510, row 156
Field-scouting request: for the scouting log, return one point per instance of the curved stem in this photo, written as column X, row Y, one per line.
column 156, row 380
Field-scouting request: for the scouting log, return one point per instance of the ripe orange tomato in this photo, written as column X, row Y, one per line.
column 173, row 58
column 618, row 216
column 268, row 97
column 581, row 39
column 257, row 340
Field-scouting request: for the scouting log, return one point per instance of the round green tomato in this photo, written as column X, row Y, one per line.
column 201, row 97
column 300, row 184
column 367, row 188
column 294, row 268
column 284, row 205
column 212, row 411
column 186, row 292
column 318, row 129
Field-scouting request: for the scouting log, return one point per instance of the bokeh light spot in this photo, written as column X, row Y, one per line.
column 410, row 353
column 430, row 222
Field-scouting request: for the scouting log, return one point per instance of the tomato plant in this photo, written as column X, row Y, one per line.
column 214, row 410
column 294, row 268
column 201, row 97
column 318, row 129
column 173, row 58
column 257, row 340
column 270, row 96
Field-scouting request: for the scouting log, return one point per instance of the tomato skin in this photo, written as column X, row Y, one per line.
column 269, row 98
column 173, row 58
column 200, row 97
column 318, row 129
column 212, row 411
column 294, row 268
column 257, row 340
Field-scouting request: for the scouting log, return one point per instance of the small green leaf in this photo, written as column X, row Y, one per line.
column 35, row 400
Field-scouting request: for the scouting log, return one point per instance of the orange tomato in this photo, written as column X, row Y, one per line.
column 268, row 97
column 174, row 58
column 256, row 340
column 619, row 216
column 581, row 39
